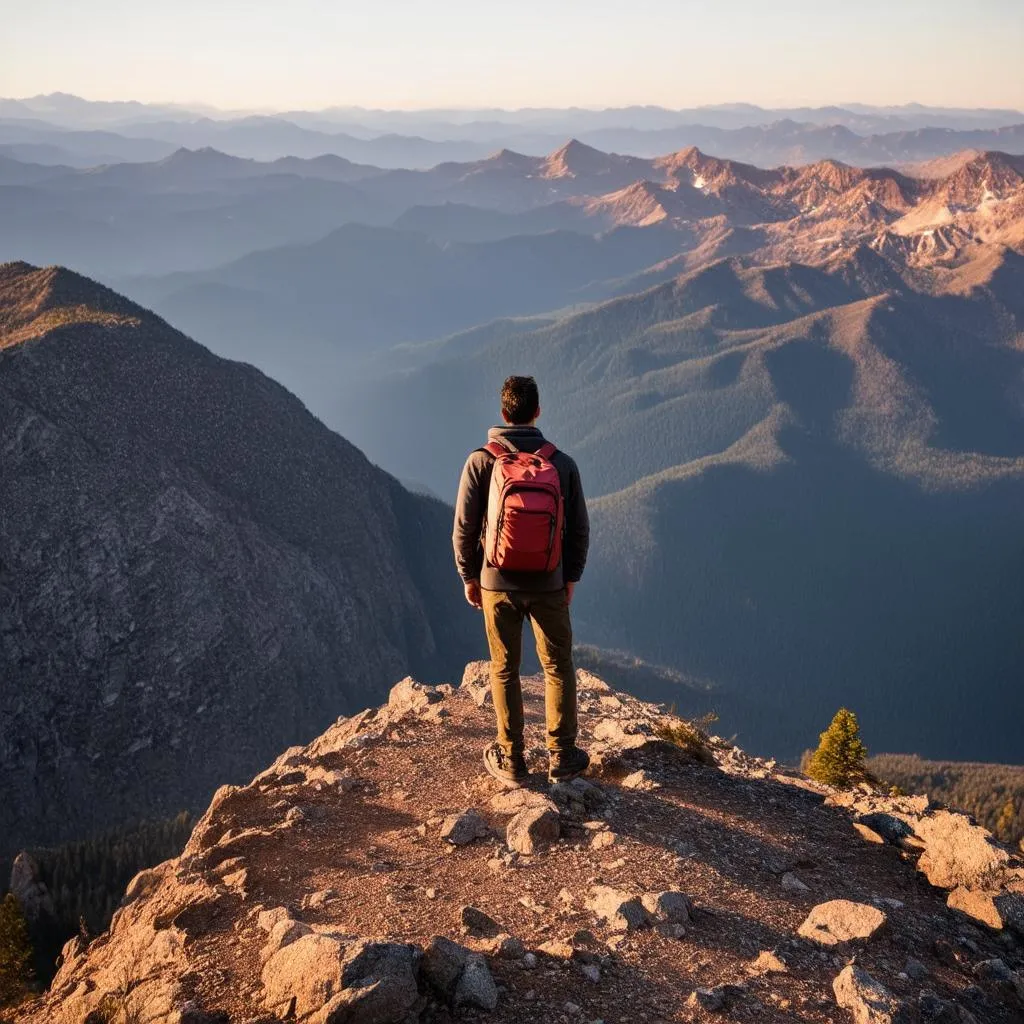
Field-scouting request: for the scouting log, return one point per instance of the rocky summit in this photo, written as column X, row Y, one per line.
column 379, row 876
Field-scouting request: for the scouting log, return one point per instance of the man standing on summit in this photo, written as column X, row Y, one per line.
column 520, row 538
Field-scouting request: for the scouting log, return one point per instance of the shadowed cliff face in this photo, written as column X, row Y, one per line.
column 193, row 570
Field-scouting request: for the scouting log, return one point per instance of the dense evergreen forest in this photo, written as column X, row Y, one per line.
column 87, row 878
column 993, row 793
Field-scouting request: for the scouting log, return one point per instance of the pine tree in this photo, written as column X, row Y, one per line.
column 15, row 953
column 839, row 759
column 1005, row 822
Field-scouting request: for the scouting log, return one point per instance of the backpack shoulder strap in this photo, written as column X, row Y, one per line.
column 546, row 450
column 496, row 448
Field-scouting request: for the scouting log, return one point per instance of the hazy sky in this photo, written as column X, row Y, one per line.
column 417, row 53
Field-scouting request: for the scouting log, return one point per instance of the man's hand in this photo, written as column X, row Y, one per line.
column 473, row 593
column 569, row 588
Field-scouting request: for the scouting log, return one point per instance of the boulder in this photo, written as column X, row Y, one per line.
column 532, row 829
column 301, row 977
column 993, row 970
column 508, row 947
column 868, row 834
column 1010, row 907
column 476, row 988
column 476, row 680
column 409, row 695
column 463, row 828
column 328, row 981
column 957, row 852
column 512, row 801
column 379, row 986
column 560, row 949
column 625, row 733
column 1007, row 983
column 266, row 919
column 283, row 933
column 619, row 910
column 443, row 964
column 461, row 976
column 667, row 908
column 887, row 826
column 978, row 905
column 579, row 794
column 840, row 921
column 868, row 1000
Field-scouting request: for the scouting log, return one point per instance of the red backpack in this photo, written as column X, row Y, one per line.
column 523, row 531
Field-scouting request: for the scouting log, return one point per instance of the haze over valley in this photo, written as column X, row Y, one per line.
column 795, row 391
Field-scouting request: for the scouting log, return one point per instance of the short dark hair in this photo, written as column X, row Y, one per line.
column 520, row 400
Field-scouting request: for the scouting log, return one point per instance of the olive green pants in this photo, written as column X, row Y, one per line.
column 548, row 613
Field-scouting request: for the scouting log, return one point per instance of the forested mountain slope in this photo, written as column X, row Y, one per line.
column 810, row 483
column 193, row 570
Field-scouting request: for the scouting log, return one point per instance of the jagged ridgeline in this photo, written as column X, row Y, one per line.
column 194, row 571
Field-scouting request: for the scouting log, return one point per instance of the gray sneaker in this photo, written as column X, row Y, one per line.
column 507, row 768
column 567, row 764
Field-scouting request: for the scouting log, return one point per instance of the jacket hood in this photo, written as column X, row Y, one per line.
column 524, row 439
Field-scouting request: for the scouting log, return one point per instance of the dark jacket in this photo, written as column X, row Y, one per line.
column 471, row 506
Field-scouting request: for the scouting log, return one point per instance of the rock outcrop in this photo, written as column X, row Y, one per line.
column 373, row 877
column 30, row 890
column 986, row 880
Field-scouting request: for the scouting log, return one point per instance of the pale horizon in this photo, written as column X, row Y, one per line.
column 455, row 55
column 199, row 105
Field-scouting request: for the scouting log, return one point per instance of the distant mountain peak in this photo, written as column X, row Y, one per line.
column 997, row 168
column 640, row 204
column 511, row 159
column 831, row 174
column 204, row 156
column 576, row 158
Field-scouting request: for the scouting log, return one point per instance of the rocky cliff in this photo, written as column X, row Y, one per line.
column 378, row 875
column 194, row 571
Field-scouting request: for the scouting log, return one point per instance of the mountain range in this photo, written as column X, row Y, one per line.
column 66, row 129
column 72, row 111
column 808, row 458
column 207, row 208
column 517, row 236
column 796, row 394
column 193, row 570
